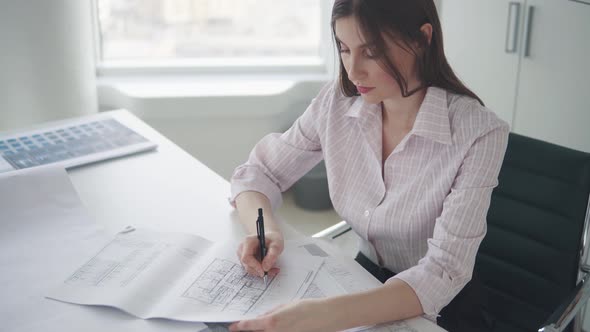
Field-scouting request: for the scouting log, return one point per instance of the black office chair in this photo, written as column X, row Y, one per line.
column 532, row 259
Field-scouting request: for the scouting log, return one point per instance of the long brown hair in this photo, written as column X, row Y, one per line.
column 401, row 19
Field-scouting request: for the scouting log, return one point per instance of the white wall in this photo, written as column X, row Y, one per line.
column 46, row 61
column 220, row 131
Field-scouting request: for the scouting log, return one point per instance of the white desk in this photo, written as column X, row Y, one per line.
column 165, row 190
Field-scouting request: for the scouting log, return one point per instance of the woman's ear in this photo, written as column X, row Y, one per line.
column 426, row 29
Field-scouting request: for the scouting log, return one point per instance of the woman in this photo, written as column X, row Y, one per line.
column 412, row 156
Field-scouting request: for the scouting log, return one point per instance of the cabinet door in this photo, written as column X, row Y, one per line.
column 482, row 44
column 553, row 101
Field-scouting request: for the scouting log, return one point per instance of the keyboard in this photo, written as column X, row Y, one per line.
column 72, row 143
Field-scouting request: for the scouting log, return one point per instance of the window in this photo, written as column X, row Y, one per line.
column 205, row 33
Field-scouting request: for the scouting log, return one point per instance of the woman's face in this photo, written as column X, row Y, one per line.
column 364, row 69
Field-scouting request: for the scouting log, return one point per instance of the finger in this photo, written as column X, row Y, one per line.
column 251, row 263
column 271, row 258
column 249, row 246
column 252, row 266
column 251, row 271
column 273, row 272
column 249, row 258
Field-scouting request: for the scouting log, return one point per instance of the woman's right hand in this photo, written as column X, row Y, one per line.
column 249, row 253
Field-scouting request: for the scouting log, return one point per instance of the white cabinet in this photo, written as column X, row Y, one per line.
column 528, row 60
column 554, row 85
column 474, row 33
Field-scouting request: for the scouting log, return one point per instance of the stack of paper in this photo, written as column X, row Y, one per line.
column 183, row 277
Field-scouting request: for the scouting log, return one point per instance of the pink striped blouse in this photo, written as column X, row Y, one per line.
column 424, row 216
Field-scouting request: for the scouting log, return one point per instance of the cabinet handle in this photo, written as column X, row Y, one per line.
column 512, row 27
column 529, row 29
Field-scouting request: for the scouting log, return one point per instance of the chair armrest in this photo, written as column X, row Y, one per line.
column 333, row 232
column 569, row 308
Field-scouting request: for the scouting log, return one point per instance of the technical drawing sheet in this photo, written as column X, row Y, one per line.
column 342, row 275
column 182, row 277
column 338, row 275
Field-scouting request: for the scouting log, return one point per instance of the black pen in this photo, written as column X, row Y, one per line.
column 262, row 241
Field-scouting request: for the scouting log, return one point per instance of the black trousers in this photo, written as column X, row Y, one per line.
column 466, row 312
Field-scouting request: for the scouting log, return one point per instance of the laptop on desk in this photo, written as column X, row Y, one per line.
column 71, row 143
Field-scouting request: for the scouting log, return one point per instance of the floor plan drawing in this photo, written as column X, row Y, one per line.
column 226, row 284
column 119, row 263
column 181, row 276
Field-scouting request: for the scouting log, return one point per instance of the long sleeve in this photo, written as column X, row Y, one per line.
column 279, row 160
column 448, row 264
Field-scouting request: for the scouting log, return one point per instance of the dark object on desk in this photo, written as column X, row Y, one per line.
column 530, row 260
column 262, row 241
column 586, row 2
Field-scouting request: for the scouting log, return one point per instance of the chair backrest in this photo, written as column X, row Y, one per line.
column 529, row 259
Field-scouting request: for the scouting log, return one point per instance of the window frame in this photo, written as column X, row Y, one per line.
column 313, row 65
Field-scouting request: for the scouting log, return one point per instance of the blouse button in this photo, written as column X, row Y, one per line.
column 367, row 213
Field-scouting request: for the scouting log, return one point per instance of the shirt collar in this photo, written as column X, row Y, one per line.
column 432, row 120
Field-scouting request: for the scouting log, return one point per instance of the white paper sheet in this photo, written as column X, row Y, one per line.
column 182, row 277
column 46, row 232
column 341, row 275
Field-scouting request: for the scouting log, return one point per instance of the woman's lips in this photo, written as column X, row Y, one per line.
column 363, row 89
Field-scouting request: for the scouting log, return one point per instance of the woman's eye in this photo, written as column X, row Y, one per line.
column 344, row 51
column 370, row 54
